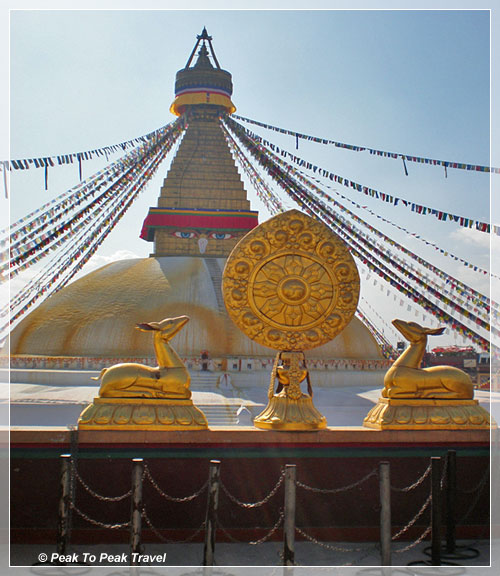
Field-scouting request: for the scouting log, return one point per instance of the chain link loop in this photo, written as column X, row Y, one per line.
column 415, row 518
column 416, row 543
column 271, row 532
column 253, row 542
column 95, row 494
column 374, row 472
column 166, row 540
column 228, row 536
column 254, row 504
column 97, row 522
column 475, row 500
column 415, row 484
column 442, row 482
column 147, row 474
column 479, row 486
column 324, row 545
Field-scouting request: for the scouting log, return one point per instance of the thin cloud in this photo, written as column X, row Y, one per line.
column 472, row 236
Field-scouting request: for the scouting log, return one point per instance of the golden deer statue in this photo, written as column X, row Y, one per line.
column 170, row 379
column 405, row 378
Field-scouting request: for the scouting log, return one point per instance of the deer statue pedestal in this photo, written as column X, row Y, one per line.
column 427, row 414
column 142, row 413
column 414, row 398
column 138, row 397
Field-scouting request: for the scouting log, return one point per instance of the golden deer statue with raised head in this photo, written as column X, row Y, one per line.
column 170, row 379
column 405, row 378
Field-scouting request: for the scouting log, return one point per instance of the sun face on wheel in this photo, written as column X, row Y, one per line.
column 292, row 290
column 291, row 283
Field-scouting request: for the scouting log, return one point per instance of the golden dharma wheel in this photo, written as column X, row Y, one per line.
column 291, row 283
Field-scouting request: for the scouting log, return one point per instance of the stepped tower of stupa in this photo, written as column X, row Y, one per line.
column 203, row 206
column 201, row 213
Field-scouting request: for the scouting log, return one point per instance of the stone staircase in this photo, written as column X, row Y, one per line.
column 202, row 381
column 216, row 277
column 220, row 414
column 215, row 271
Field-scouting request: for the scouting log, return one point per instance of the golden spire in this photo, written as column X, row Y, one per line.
column 203, row 208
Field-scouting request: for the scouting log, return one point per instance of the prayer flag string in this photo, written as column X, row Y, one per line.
column 447, row 253
column 454, row 284
column 385, row 346
column 418, row 209
column 27, row 163
column 39, row 236
column 100, row 224
column 374, row 151
column 366, row 255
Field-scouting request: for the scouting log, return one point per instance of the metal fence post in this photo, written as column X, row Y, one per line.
column 289, row 521
column 63, row 527
column 451, row 498
column 211, row 516
column 436, row 510
column 136, row 508
column 385, row 513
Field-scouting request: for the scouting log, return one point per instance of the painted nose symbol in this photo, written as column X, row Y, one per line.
column 202, row 244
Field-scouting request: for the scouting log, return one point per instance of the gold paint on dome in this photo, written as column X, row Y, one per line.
column 291, row 283
column 94, row 316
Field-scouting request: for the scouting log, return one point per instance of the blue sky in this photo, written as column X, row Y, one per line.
column 409, row 81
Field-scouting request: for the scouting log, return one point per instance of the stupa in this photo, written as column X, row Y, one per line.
column 202, row 212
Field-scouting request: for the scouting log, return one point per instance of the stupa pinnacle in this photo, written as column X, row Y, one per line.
column 203, row 207
column 203, row 83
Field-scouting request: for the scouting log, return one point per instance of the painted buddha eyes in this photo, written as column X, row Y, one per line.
column 216, row 235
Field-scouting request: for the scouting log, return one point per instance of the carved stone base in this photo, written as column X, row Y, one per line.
column 142, row 414
column 282, row 413
column 429, row 414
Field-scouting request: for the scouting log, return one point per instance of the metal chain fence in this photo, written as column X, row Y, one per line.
column 97, row 522
column 424, row 535
column 259, row 502
column 147, row 474
column 326, row 546
column 95, row 494
column 162, row 538
column 415, row 484
column 252, row 505
column 374, row 472
column 478, row 490
column 414, row 519
column 479, row 485
column 264, row 538
column 74, row 478
column 345, row 488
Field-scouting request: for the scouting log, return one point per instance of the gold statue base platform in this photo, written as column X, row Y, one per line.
column 142, row 414
column 428, row 414
column 294, row 414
